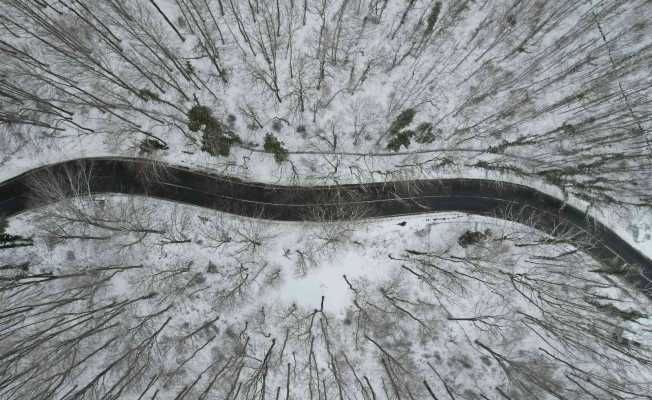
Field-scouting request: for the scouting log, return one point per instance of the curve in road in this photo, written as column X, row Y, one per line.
column 497, row 199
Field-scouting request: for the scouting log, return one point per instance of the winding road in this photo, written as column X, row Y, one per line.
column 503, row 200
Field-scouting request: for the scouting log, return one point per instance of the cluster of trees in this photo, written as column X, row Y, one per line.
column 555, row 90
column 401, row 137
column 500, row 313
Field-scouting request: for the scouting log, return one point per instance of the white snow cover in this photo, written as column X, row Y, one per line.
column 134, row 298
column 410, row 287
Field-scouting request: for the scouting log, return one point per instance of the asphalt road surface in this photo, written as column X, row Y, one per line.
column 502, row 200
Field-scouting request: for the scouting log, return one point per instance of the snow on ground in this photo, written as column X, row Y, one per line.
column 633, row 224
column 269, row 279
column 554, row 94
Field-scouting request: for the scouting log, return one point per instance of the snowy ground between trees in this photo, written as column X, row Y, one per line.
column 137, row 298
column 316, row 306
column 553, row 93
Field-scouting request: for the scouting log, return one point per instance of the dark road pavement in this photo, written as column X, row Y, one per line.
column 300, row 203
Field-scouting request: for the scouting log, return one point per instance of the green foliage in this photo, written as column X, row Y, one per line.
column 218, row 142
column 404, row 119
column 400, row 139
column 275, row 146
column 199, row 116
column 498, row 148
column 216, row 139
column 148, row 95
column 398, row 136
column 469, row 238
column 423, row 133
column 432, row 18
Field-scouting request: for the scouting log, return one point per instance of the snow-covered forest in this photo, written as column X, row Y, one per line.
column 557, row 91
column 133, row 298
column 127, row 297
